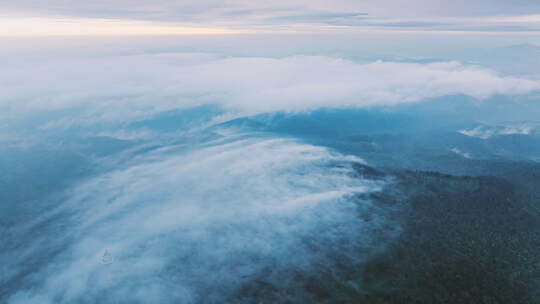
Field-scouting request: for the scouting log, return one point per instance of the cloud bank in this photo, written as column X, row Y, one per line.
column 108, row 87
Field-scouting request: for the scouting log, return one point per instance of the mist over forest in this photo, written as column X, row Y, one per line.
column 249, row 152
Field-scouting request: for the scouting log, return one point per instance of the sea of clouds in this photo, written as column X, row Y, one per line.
column 127, row 87
column 191, row 220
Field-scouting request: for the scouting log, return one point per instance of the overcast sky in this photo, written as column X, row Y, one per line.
column 232, row 16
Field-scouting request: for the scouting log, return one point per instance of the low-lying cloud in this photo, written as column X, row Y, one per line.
column 191, row 225
column 127, row 87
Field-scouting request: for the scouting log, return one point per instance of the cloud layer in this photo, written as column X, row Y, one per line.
column 281, row 15
column 117, row 87
column 212, row 9
column 192, row 223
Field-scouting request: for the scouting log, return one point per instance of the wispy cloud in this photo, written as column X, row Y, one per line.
column 389, row 15
column 319, row 17
column 20, row 27
column 499, row 23
column 193, row 225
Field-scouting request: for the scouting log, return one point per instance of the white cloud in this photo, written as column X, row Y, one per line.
column 192, row 224
column 461, row 153
column 123, row 87
column 487, row 131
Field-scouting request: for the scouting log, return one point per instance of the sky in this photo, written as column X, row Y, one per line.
column 165, row 17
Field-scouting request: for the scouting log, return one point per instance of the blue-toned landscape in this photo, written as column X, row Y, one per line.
column 249, row 152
